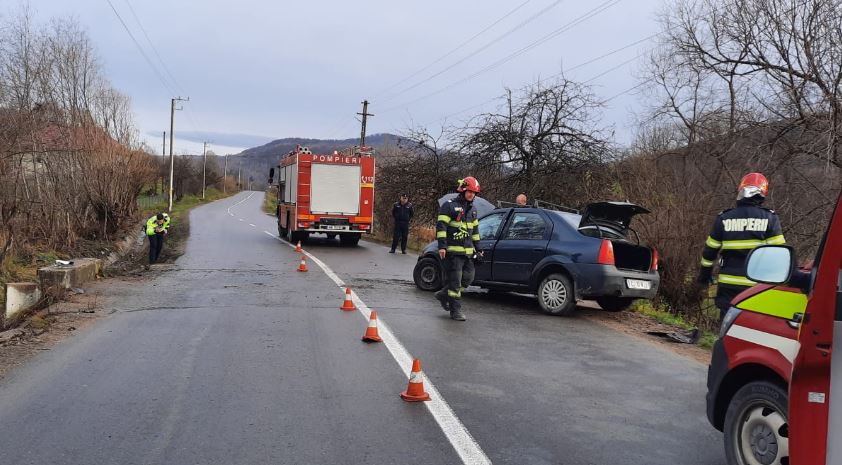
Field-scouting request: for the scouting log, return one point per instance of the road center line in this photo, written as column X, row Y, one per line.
column 241, row 201
column 460, row 438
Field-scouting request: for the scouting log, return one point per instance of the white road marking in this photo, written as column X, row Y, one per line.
column 240, row 219
column 241, row 201
column 252, row 225
column 460, row 438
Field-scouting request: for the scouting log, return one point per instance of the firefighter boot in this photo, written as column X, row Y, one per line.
column 441, row 296
column 456, row 311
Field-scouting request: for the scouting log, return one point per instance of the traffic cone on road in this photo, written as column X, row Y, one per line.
column 348, row 304
column 302, row 267
column 415, row 390
column 371, row 332
column 298, row 248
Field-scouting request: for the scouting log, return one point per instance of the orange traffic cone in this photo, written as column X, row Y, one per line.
column 348, row 304
column 298, row 247
column 371, row 332
column 415, row 390
column 302, row 267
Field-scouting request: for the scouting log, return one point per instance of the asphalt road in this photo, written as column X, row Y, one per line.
column 233, row 357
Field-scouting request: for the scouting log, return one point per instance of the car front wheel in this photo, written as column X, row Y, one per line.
column 555, row 295
column 756, row 429
column 427, row 274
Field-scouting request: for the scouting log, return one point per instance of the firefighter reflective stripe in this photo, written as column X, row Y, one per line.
column 776, row 240
column 775, row 302
column 460, row 249
column 788, row 348
column 441, row 234
column 735, row 280
column 457, row 224
column 444, row 218
column 475, row 237
column 740, row 245
column 713, row 243
column 454, row 294
column 706, row 263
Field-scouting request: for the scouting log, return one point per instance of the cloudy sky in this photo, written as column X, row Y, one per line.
column 257, row 70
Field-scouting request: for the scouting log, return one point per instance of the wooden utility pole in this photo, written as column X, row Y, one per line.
column 172, row 160
column 239, row 174
column 365, row 114
column 204, row 167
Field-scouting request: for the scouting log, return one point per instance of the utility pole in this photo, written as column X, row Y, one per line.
column 204, row 166
column 163, row 161
column 172, row 160
column 364, row 114
column 239, row 174
column 225, row 175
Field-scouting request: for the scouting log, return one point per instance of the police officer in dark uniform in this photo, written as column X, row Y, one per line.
column 402, row 213
column 457, row 232
column 734, row 234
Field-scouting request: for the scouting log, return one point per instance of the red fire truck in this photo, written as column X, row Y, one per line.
column 331, row 194
column 772, row 375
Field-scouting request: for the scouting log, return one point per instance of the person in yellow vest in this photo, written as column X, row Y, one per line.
column 156, row 228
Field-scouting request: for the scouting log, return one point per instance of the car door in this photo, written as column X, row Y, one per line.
column 522, row 245
column 489, row 231
column 815, row 436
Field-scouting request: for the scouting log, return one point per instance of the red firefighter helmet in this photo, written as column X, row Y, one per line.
column 753, row 184
column 468, row 184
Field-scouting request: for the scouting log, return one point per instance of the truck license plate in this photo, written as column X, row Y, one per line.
column 638, row 284
column 331, row 226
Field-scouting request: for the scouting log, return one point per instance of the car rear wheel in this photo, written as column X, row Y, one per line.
column 427, row 274
column 614, row 304
column 555, row 295
column 756, row 428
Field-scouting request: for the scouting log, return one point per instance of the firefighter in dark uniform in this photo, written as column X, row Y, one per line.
column 457, row 232
column 734, row 234
column 402, row 214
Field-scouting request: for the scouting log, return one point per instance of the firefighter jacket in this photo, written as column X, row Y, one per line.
column 735, row 233
column 402, row 213
column 152, row 224
column 457, row 228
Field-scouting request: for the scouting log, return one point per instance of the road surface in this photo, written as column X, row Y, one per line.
column 233, row 357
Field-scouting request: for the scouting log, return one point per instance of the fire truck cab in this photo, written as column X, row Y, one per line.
column 331, row 194
column 772, row 374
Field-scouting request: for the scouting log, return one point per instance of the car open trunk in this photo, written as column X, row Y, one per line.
column 628, row 256
column 611, row 220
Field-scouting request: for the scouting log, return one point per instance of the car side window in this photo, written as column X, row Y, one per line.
column 489, row 227
column 526, row 226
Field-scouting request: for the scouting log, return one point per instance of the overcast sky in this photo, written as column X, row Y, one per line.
column 278, row 68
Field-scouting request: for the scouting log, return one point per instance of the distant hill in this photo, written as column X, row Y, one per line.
column 256, row 161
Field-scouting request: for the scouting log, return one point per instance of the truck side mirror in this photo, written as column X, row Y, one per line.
column 271, row 175
column 770, row 264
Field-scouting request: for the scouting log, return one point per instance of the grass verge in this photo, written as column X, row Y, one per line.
column 645, row 307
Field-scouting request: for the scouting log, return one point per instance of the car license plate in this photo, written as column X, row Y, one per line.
column 331, row 226
column 638, row 284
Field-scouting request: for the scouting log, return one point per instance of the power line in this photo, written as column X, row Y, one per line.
column 454, row 50
column 155, row 50
column 140, row 49
column 588, row 15
column 477, row 51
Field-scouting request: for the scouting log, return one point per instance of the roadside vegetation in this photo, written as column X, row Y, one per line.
column 729, row 88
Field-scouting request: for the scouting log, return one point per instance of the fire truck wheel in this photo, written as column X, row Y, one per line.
column 349, row 239
column 756, row 430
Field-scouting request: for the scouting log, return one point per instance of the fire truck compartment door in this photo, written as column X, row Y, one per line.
column 335, row 189
column 834, row 429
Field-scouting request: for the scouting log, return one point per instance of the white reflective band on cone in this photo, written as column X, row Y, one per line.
column 416, row 377
column 372, row 323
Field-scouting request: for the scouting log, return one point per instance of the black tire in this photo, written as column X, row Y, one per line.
column 614, row 304
column 555, row 295
column 349, row 240
column 288, row 231
column 427, row 274
column 756, row 424
column 282, row 232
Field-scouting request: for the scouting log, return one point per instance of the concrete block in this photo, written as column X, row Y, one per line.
column 21, row 297
column 82, row 270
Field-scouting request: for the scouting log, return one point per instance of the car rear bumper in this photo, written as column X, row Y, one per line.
column 600, row 280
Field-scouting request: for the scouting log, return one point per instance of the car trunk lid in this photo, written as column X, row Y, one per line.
column 618, row 217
